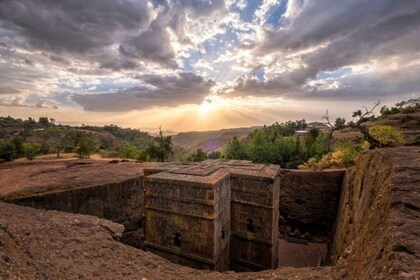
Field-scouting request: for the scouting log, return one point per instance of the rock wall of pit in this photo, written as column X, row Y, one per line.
column 308, row 209
column 121, row 202
column 309, row 201
column 377, row 232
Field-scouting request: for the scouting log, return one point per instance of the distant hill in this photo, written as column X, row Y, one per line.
column 109, row 137
column 136, row 137
column 113, row 138
column 209, row 141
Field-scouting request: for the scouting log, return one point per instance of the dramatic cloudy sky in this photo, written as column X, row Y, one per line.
column 205, row 64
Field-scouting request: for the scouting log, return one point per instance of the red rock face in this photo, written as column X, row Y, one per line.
column 378, row 221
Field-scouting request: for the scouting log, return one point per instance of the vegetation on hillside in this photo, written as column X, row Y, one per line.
column 375, row 134
column 317, row 149
column 29, row 138
column 293, row 144
column 279, row 144
column 161, row 148
column 209, row 141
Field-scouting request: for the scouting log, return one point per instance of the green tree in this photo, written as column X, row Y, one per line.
column 143, row 156
column 339, row 123
column 282, row 129
column 44, row 122
column 161, row 148
column 385, row 111
column 86, row 146
column 309, row 141
column 236, row 149
column 316, row 144
column 31, row 150
column 58, row 139
column 7, row 150
column 72, row 138
column 129, row 151
column 287, row 151
column 18, row 142
column 197, row 156
column 261, row 148
column 215, row 155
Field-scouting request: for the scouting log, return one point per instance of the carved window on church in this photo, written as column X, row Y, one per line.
column 248, row 223
column 250, row 227
column 177, row 239
column 223, row 233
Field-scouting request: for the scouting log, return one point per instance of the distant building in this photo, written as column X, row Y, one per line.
column 319, row 125
column 301, row 132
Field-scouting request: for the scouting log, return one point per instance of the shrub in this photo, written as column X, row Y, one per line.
column 86, row 146
column 408, row 110
column 30, row 150
column 7, row 151
column 387, row 135
column 129, row 151
column 108, row 154
column 143, row 156
column 236, row 149
column 215, row 155
column 344, row 156
column 197, row 156
column 18, row 142
column 385, row 111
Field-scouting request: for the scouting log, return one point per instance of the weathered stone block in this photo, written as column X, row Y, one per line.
column 187, row 213
column 254, row 216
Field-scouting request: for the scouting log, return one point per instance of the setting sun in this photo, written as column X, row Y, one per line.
column 207, row 105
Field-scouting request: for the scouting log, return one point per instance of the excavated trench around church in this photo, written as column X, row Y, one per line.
column 362, row 220
column 307, row 206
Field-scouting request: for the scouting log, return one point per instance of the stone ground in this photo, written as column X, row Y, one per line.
column 301, row 255
column 37, row 244
column 26, row 178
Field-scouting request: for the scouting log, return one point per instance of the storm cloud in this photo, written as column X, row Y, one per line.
column 325, row 36
column 171, row 90
column 92, row 30
column 73, row 26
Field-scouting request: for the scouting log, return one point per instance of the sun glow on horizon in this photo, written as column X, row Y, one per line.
column 211, row 104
